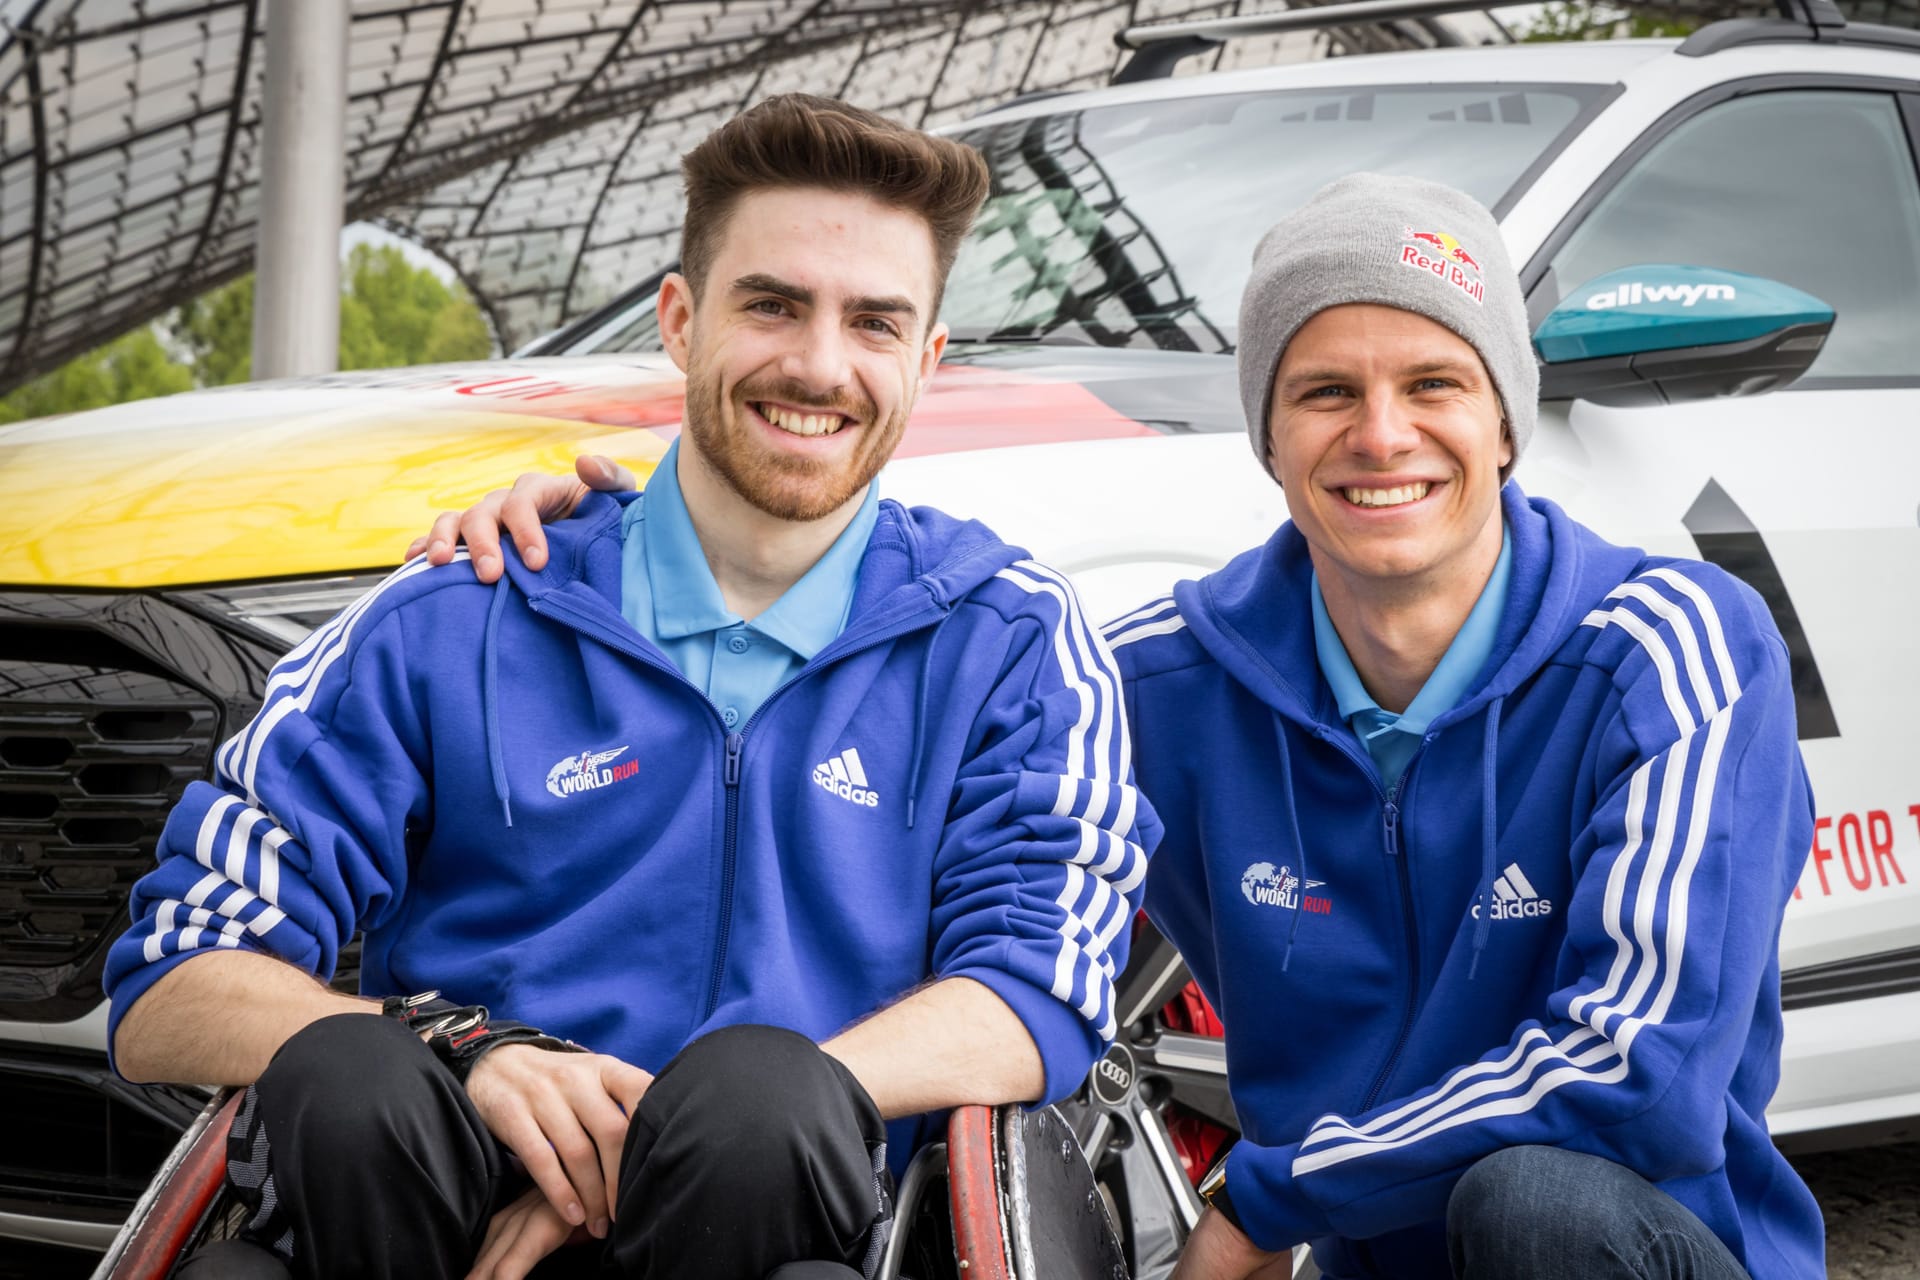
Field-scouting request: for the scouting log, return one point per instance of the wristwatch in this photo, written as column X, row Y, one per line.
column 1213, row 1190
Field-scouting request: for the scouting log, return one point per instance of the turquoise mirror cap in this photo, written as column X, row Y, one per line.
column 1659, row 307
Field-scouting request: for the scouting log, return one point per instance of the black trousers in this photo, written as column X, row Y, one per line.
column 358, row 1154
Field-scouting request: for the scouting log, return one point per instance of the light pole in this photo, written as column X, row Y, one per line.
column 296, row 294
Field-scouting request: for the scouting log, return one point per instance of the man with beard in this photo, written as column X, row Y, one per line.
column 816, row 807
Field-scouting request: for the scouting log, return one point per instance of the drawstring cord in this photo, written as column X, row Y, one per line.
column 1489, row 817
column 490, row 697
column 1293, row 828
column 920, row 722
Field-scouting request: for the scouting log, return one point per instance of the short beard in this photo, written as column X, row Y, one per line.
column 785, row 488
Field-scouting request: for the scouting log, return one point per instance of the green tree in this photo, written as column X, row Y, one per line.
column 1600, row 20
column 391, row 313
column 131, row 367
column 216, row 329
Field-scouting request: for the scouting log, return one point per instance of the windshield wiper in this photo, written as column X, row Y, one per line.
column 1024, row 337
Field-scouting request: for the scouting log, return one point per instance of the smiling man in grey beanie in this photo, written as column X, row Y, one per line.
column 1449, row 786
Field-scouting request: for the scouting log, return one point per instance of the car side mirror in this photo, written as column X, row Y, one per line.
column 1661, row 334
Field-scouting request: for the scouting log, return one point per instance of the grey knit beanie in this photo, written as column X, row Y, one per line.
column 1399, row 242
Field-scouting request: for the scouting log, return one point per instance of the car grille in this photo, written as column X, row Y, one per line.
column 96, row 745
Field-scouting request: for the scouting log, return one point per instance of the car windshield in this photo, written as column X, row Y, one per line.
column 1132, row 225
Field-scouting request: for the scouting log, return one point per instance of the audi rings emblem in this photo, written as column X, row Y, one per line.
column 1113, row 1077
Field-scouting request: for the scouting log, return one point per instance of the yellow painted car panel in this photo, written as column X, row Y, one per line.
column 298, row 478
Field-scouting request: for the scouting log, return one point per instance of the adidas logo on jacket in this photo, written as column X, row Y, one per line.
column 844, row 776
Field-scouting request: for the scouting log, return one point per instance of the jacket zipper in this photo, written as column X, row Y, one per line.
column 1390, row 827
column 735, row 742
column 1390, row 836
column 729, row 844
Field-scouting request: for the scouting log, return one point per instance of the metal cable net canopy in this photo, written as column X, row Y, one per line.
column 532, row 143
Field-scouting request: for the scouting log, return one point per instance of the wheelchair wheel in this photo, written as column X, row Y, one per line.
column 1154, row 1114
column 1008, row 1196
column 182, row 1203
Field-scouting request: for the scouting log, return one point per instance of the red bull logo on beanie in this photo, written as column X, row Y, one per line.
column 1445, row 257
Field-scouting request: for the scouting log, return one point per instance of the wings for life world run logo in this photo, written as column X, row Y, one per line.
column 1266, row 885
column 1442, row 255
column 588, row 770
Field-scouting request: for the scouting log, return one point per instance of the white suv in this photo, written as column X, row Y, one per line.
column 1087, row 410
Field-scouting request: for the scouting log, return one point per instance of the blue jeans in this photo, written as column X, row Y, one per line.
column 1546, row 1214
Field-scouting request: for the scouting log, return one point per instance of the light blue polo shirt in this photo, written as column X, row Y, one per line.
column 668, row 593
column 1391, row 740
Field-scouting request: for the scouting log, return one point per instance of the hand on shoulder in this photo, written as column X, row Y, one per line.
column 534, row 500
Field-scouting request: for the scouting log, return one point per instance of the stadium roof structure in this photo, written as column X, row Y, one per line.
column 531, row 143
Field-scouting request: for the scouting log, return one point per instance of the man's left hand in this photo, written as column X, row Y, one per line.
column 520, row 1235
column 1218, row 1251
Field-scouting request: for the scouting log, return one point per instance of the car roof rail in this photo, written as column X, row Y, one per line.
column 1159, row 46
column 1800, row 21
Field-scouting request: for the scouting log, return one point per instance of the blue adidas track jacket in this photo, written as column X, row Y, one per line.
column 1562, row 930
column 526, row 806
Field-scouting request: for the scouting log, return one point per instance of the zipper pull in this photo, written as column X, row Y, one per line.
column 735, row 741
column 1391, row 818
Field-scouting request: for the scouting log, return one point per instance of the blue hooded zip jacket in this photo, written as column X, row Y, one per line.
column 1562, row 930
column 525, row 805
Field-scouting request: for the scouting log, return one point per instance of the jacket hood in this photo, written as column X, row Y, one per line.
column 1560, row 570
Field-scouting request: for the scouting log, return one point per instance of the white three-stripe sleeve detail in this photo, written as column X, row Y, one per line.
column 238, row 901
column 1533, row 1050
column 1085, row 931
column 307, row 684
column 1515, row 1105
column 1063, row 962
column 1630, row 622
column 1682, row 628
column 209, row 828
column 163, row 919
column 1662, row 956
column 204, row 887
column 1146, row 630
column 1710, row 617
column 1064, row 799
column 1616, row 894
column 237, row 841
column 1093, row 786
column 1129, row 808
column 1151, row 609
column 1076, row 766
column 1330, row 1127
column 294, row 667
column 1094, row 664
column 1680, row 895
column 1097, row 661
column 270, row 863
column 1647, row 900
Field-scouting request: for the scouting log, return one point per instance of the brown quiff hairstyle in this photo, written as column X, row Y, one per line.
column 800, row 140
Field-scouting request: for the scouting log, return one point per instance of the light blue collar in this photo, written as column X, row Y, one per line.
column 1451, row 679
column 809, row 616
